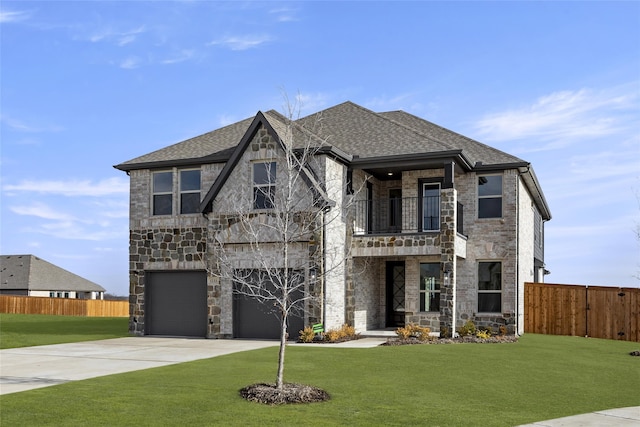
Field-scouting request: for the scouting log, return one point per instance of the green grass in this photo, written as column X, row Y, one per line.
column 25, row 330
column 538, row 378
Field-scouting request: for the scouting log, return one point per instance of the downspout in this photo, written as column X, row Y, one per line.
column 517, row 301
column 321, row 273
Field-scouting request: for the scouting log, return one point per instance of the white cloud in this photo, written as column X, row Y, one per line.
column 562, row 118
column 284, row 14
column 242, row 42
column 130, row 63
column 72, row 188
column 41, row 210
column 7, row 16
column 120, row 38
column 22, row 126
column 184, row 55
column 73, row 230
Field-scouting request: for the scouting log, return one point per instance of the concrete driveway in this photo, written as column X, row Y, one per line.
column 42, row 366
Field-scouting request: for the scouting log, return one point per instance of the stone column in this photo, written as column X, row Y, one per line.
column 448, row 205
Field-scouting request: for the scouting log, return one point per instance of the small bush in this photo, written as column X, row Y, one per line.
column 413, row 331
column 307, row 334
column 469, row 328
column 444, row 332
column 404, row 333
column 484, row 334
column 344, row 332
column 503, row 330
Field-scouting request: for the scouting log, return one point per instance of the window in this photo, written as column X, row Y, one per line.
column 189, row 191
column 490, row 287
column 430, row 287
column 162, row 193
column 430, row 207
column 490, row 196
column 52, row 294
column 264, row 185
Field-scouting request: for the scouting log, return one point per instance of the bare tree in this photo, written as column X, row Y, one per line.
column 270, row 245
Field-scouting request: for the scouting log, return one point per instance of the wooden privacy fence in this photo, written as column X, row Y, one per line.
column 63, row 306
column 590, row 311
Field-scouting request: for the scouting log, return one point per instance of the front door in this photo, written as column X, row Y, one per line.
column 395, row 293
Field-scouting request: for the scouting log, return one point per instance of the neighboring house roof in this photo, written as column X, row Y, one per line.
column 29, row 272
column 358, row 136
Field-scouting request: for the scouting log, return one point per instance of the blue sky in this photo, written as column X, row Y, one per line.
column 87, row 85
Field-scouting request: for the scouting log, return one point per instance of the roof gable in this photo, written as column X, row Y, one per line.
column 270, row 124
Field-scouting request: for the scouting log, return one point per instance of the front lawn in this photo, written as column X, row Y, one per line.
column 25, row 330
column 538, row 378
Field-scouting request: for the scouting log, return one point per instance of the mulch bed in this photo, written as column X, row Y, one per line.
column 467, row 339
column 290, row 393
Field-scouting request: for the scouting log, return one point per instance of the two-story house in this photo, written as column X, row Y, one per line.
column 426, row 226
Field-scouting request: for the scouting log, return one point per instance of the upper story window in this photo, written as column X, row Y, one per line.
column 189, row 191
column 162, row 193
column 490, row 287
column 264, row 185
column 490, row 196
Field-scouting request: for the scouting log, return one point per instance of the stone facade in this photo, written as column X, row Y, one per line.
column 347, row 265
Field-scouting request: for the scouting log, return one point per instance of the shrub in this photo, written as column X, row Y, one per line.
column 444, row 332
column 332, row 335
column 307, row 334
column 503, row 330
column 403, row 333
column 469, row 328
column 416, row 331
column 344, row 332
column 484, row 334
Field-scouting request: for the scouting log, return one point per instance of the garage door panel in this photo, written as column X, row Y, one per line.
column 176, row 304
column 255, row 319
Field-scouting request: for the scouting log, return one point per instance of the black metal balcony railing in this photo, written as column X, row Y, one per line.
column 401, row 215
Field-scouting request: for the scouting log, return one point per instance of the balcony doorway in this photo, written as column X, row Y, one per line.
column 395, row 210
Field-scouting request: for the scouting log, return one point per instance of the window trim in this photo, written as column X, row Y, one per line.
column 428, row 292
column 181, row 192
column 161, row 193
column 492, row 291
column 491, row 196
column 269, row 186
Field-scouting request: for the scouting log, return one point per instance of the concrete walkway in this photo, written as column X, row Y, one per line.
column 42, row 366
column 29, row 368
column 622, row 417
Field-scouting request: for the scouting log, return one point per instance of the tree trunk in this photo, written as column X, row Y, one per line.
column 283, row 344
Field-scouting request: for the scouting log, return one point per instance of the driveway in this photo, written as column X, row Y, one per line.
column 42, row 366
column 28, row 368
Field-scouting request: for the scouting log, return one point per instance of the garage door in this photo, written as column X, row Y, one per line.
column 176, row 303
column 253, row 319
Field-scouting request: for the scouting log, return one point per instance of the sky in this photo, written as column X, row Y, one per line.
column 88, row 85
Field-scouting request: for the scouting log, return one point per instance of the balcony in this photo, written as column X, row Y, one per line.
column 407, row 215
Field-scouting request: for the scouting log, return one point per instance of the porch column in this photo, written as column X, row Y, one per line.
column 448, row 206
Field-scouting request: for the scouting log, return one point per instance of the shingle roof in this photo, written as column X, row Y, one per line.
column 473, row 150
column 219, row 141
column 36, row 274
column 353, row 129
column 355, row 134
